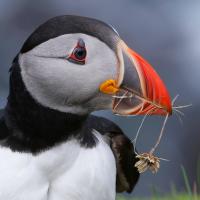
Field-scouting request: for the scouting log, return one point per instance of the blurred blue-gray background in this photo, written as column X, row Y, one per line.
column 166, row 33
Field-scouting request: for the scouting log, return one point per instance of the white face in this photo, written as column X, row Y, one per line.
column 57, row 83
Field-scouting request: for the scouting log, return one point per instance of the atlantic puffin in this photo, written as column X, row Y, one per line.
column 51, row 146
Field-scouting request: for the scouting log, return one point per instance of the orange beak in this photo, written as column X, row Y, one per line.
column 138, row 90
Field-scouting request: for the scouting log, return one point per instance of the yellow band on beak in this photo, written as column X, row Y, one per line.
column 109, row 87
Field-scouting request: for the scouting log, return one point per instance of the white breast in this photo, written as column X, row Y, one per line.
column 65, row 172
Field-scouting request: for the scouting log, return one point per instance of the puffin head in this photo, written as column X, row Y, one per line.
column 78, row 65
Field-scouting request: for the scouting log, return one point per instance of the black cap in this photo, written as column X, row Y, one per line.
column 67, row 24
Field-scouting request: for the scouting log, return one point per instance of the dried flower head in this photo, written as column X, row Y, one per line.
column 147, row 161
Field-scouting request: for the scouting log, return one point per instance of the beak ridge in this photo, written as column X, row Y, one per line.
column 153, row 88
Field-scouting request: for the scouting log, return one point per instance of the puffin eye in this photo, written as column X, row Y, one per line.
column 79, row 53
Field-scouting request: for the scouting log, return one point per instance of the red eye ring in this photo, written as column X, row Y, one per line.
column 79, row 53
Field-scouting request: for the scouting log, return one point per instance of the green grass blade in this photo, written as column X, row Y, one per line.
column 155, row 193
column 173, row 190
column 198, row 173
column 187, row 185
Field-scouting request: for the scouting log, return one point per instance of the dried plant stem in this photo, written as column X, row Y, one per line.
column 179, row 118
column 138, row 131
column 183, row 106
column 178, row 111
column 136, row 94
column 160, row 136
column 124, row 95
column 175, row 98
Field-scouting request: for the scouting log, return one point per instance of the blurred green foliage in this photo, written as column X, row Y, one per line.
column 171, row 197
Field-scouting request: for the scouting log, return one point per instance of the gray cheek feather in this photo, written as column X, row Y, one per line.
column 65, row 86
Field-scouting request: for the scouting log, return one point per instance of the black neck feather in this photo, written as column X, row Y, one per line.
column 33, row 127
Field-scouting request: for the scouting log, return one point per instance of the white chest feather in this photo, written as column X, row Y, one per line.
column 66, row 172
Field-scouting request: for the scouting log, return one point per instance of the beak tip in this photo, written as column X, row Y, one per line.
column 169, row 110
column 167, row 104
